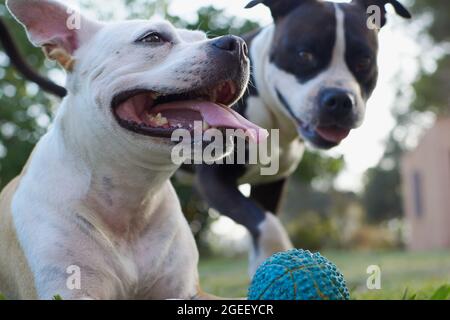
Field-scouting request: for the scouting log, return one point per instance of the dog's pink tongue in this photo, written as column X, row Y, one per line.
column 333, row 134
column 217, row 116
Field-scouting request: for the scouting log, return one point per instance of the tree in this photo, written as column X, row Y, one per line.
column 432, row 88
column 382, row 195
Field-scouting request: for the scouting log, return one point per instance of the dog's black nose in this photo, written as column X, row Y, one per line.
column 232, row 44
column 336, row 102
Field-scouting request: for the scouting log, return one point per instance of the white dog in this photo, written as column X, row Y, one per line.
column 95, row 194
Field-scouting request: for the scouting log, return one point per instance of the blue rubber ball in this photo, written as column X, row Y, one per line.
column 298, row 275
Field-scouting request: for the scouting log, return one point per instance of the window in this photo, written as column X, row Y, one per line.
column 417, row 194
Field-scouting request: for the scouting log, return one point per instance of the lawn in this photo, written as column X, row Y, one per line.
column 420, row 275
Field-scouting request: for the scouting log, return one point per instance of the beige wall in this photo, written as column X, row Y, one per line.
column 431, row 160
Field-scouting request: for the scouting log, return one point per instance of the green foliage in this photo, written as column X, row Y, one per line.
column 314, row 232
column 383, row 195
column 216, row 23
column 432, row 90
column 440, row 26
column 314, row 164
column 2, row 297
column 442, row 293
column 57, row 297
column 408, row 296
column 318, row 219
column 24, row 109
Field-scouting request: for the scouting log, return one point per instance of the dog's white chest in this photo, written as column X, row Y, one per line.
column 152, row 268
column 152, row 265
column 159, row 261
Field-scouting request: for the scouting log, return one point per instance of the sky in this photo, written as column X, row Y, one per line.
column 399, row 50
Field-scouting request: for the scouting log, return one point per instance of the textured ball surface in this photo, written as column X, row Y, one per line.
column 298, row 275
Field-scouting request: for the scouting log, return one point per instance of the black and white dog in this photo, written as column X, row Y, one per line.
column 313, row 71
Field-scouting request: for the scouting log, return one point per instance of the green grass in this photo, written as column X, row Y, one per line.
column 404, row 275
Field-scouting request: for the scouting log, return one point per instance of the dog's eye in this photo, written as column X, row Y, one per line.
column 306, row 57
column 151, row 37
column 363, row 64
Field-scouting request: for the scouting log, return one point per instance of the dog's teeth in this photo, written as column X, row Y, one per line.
column 158, row 120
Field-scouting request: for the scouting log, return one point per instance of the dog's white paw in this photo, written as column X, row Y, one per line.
column 273, row 238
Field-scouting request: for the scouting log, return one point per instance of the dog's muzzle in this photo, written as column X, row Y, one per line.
column 150, row 112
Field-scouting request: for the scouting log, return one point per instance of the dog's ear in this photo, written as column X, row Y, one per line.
column 279, row 8
column 58, row 29
column 381, row 4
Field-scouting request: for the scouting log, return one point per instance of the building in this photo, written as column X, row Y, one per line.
column 426, row 189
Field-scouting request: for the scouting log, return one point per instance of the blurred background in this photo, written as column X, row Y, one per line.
column 382, row 198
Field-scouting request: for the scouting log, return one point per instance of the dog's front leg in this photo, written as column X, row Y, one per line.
column 65, row 254
column 273, row 236
column 74, row 276
column 71, row 280
column 218, row 184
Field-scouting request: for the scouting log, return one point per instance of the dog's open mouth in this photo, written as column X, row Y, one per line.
column 325, row 136
column 333, row 134
column 155, row 114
